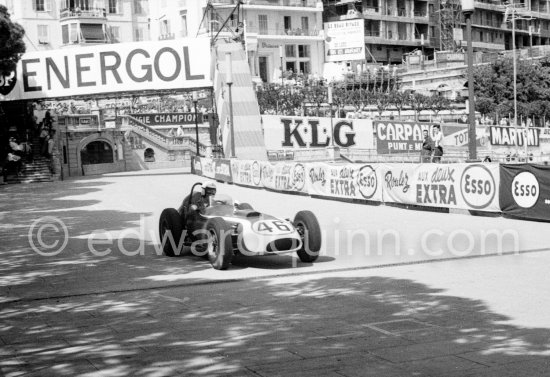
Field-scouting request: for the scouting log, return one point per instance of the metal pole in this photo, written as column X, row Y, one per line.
column 229, row 79
column 331, row 121
column 515, row 74
column 281, row 56
column 472, row 147
column 197, row 128
column 231, row 129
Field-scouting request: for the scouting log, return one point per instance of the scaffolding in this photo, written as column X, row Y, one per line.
column 450, row 19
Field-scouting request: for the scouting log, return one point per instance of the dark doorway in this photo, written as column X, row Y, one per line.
column 149, row 155
column 262, row 62
column 97, row 152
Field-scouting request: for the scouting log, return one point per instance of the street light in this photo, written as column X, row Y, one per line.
column 229, row 81
column 195, row 100
column 468, row 10
column 281, row 57
column 331, row 120
column 511, row 9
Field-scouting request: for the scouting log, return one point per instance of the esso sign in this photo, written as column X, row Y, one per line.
column 367, row 181
column 525, row 189
column 478, row 186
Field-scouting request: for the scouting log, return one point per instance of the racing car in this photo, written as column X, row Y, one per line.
column 215, row 226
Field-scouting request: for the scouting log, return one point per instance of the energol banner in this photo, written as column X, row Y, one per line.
column 110, row 68
column 462, row 186
column 282, row 132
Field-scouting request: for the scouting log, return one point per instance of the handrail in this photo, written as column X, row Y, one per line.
column 169, row 143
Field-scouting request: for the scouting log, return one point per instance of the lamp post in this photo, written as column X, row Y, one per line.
column 195, row 100
column 281, row 57
column 468, row 10
column 331, row 120
column 229, row 81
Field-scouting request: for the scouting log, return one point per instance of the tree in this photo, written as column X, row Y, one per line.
column 11, row 42
column 438, row 103
column 494, row 87
column 399, row 100
column 418, row 102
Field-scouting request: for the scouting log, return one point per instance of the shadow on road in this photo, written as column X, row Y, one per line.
column 373, row 326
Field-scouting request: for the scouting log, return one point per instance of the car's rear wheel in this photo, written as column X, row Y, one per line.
column 220, row 245
column 308, row 227
column 170, row 232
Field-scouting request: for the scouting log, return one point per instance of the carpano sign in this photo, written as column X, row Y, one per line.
column 136, row 66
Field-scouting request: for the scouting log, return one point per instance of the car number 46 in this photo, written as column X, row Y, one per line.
column 275, row 226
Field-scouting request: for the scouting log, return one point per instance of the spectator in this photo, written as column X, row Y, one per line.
column 426, row 153
column 438, row 143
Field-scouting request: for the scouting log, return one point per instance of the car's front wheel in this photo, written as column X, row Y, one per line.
column 220, row 245
column 308, row 227
column 170, row 232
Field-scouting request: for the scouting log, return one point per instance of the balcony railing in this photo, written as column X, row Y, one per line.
column 281, row 31
column 164, row 37
column 372, row 33
column 86, row 13
column 280, row 3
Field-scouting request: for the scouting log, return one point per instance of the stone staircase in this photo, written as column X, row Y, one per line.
column 36, row 171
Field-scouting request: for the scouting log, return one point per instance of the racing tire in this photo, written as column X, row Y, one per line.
column 245, row 206
column 220, row 245
column 170, row 220
column 307, row 225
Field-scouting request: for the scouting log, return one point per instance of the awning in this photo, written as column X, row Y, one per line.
column 92, row 32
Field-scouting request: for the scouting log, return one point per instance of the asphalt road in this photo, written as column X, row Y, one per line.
column 386, row 307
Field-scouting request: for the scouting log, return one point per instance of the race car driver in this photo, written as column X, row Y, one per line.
column 201, row 198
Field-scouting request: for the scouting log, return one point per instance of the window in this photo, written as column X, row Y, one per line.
column 138, row 8
column 290, row 51
column 65, row 33
column 115, row 33
column 303, row 51
column 288, row 23
column 291, row 66
column 138, row 34
column 42, row 5
column 43, row 34
column 113, row 7
column 262, row 23
column 305, row 68
column 184, row 24
column 74, row 34
column 305, row 24
column 165, row 27
column 92, row 32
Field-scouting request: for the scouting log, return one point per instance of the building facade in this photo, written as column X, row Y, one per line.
column 280, row 36
column 53, row 24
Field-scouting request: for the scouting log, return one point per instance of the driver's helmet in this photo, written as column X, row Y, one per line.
column 208, row 189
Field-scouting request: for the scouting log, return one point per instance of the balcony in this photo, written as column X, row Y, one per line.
column 167, row 36
column 95, row 13
column 275, row 3
column 283, row 32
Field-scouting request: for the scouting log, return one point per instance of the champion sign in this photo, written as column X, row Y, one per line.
column 140, row 66
column 478, row 186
